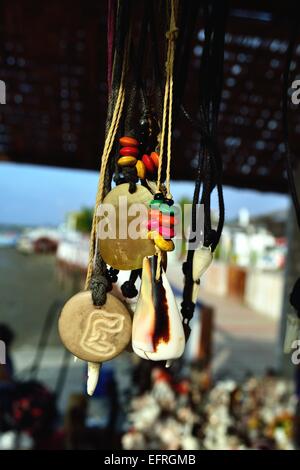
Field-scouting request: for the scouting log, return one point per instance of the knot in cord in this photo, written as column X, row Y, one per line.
column 172, row 34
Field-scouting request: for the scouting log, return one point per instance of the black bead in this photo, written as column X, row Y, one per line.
column 129, row 290
column 169, row 202
column 187, row 309
column 158, row 197
column 144, row 123
column 113, row 271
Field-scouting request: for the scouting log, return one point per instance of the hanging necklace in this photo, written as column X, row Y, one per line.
column 157, row 332
column 95, row 325
column 209, row 168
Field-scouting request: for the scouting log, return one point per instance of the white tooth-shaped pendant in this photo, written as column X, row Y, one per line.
column 195, row 292
column 202, row 259
column 157, row 331
column 93, row 376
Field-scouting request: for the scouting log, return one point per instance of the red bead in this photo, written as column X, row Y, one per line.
column 168, row 220
column 164, row 219
column 154, row 214
column 129, row 151
column 153, row 224
column 155, row 158
column 128, row 142
column 166, row 232
column 148, row 163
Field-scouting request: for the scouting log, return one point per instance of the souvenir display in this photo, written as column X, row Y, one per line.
column 183, row 414
column 135, row 222
column 94, row 325
column 167, row 101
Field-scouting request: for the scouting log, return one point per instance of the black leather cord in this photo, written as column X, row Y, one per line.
column 209, row 169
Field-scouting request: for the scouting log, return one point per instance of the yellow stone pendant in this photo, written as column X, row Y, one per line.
column 94, row 334
column 121, row 235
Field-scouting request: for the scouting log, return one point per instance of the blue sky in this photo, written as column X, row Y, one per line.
column 32, row 195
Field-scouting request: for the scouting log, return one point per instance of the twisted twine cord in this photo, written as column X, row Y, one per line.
column 100, row 281
column 163, row 129
column 168, row 101
column 171, row 36
column 109, row 140
column 169, row 142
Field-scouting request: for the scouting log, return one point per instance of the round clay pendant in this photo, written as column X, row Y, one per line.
column 122, row 236
column 94, row 334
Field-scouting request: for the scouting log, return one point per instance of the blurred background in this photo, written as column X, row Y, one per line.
column 234, row 388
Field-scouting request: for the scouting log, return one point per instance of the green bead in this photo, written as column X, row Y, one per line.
column 155, row 204
column 165, row 209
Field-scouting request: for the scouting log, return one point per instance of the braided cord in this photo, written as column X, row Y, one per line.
column 109, row 141
column 168, row 101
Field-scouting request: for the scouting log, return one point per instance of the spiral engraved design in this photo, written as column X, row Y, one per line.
column 101, row 327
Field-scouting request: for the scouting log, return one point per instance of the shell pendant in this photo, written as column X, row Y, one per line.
column 157, row 331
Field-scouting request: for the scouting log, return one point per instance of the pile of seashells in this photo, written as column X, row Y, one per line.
column 187, row 415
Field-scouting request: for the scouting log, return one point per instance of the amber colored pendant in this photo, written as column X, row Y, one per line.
column 122, row 241
column 157, row 331
column 94, row 334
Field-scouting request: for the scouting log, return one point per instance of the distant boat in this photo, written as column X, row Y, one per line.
column 8, row 239
column 41, row 240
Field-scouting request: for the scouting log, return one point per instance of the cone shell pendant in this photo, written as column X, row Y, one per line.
column 157, row 331
column 202, row 259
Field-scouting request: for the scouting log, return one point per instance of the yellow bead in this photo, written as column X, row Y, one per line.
column 162, row 244
column 140, row 169
column 127, row 161
column 152, row 234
